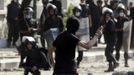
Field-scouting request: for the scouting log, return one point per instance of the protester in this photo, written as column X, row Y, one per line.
column 110, row 38
column 12, row 22
column 65, row 46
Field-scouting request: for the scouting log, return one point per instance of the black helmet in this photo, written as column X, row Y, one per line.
column 77, row 9
column 51, row 7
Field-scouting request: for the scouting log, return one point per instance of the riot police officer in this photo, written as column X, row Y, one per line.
column 109, row 36
column 76, row 13
column 32, row 57
column 85, row 23
column 58, row 4
column 12, row 22
column 52, row 27
column 43, row 16
column 36, row 57
column 28, row 25
column 119, row 30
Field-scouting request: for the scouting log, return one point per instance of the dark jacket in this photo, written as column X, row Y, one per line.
column 109, row 32
column 35, row 57
column 132, row 12
column 24, row 25
column 12, row 11
column 120, row 23
column 57, row 22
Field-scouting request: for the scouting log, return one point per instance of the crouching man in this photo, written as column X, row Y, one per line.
column 36, row 58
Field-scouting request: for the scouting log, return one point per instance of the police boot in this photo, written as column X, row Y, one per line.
column 110, row 68
column 78, row 64
column 116, row 64
column 117, row 56
column 36, row 72
column 79, row 58
column 126, row 59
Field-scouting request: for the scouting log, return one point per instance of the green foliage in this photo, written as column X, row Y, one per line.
column 68, row 13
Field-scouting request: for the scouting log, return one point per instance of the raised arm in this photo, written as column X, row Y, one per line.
column 90, row 43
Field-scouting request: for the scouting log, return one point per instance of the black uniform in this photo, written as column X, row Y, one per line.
column 84, row 14
column 25, row 24
column 35, row 57
column 119, row 38
column 53, row 23
column 95, row 16
column 109, row 35
column 12, row 19
column 43, row 17
column 85, row 10
column 132, row 16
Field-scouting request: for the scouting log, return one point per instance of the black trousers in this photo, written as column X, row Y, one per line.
column 80, row 57
column 118, row 45
column 27, row 70
column 13, row 36
column 132, row 35
column 42, row 39
column 109, row 52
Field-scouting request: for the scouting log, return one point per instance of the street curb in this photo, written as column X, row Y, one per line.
column 93, row 55
column 100, row 56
